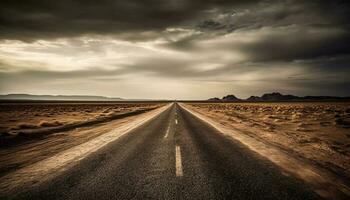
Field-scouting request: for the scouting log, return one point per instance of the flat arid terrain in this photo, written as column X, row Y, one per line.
column 318, row 133
column 33, row 131
column 31, row 119
column 172, row 150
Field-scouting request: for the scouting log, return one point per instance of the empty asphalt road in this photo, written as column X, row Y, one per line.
column 173, row 156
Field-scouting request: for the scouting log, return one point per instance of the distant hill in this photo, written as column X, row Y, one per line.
column 214, row 99
column 253, row 98
column 230, row 97
column 57, row 97
column 276, row 96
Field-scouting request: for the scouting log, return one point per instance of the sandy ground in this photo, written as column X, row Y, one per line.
column 18, row 150
column 304, row 160
column 16, row 119
column 36, row 161
column 316, row 132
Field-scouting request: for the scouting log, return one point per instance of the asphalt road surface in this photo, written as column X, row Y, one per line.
column 173, row 156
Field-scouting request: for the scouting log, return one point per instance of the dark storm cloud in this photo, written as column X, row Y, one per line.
column 300, row 43
column 311, row 28
column 51, row 18
column 281, row 13
column 317, row 28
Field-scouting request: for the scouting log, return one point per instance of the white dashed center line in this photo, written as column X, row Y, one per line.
column 167, row 132
column 178, row 163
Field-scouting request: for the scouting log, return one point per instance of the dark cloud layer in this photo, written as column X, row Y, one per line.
column 27, row 19
column 214, row 40
column 36, row 19
column 300, row 44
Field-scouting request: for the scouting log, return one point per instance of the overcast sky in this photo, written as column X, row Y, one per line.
column 174, row 49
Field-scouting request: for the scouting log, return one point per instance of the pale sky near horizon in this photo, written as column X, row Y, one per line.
column 177, row 49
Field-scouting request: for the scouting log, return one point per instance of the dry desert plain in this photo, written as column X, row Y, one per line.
column 316, row 132
column 31, row 132
column 18, row 119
